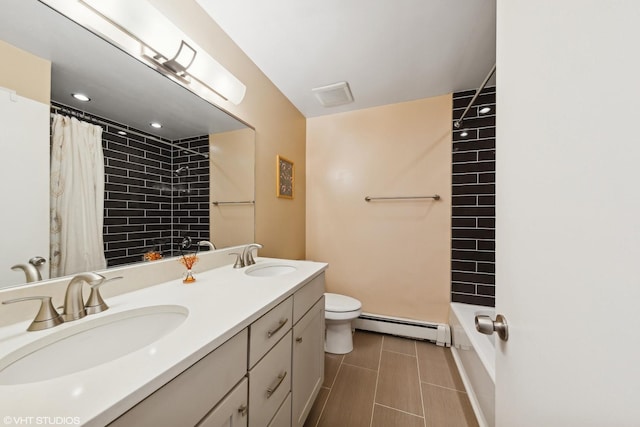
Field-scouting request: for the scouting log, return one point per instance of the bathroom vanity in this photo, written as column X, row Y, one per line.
column 247, row 349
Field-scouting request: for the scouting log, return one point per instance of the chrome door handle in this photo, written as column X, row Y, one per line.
column 280, row 325
column 485, row 325
column 279, row 380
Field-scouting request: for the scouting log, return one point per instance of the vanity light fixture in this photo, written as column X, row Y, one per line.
column 145, row 33
column 485, row 110
column 81, row 97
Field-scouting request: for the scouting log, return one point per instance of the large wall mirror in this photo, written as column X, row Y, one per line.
column 192, row 177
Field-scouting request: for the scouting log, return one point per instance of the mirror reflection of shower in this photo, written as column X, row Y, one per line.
column 182, row 186
column 181, row 170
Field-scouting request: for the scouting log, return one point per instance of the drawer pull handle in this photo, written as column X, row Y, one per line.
column 273, row 389
column 280, row 325
column 243, row 410
column 299, row 339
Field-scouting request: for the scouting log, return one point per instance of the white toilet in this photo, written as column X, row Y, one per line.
column 339, row 311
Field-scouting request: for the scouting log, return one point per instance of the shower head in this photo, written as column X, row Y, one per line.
column 181, row 170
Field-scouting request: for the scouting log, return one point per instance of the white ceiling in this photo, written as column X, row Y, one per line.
column 388, row 51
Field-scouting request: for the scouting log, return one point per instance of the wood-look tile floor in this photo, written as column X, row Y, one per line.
column 388, row 381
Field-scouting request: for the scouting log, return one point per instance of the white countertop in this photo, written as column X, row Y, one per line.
column 221, row 303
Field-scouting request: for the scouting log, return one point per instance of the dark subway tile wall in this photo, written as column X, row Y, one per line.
column 191, row 195
column 137, row 195
column 473, row 201
column 147, row 204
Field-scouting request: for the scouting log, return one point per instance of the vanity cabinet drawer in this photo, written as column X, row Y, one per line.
column 232, row 411
column 283, row 416
column 307, row 296
column 266, row 331
column 187, row 398
column 270, row 383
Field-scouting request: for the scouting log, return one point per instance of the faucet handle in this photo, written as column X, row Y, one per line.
column 239, row 261
column 95, row 303
column 47, row 316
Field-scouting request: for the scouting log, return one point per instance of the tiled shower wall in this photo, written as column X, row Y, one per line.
column 473, row 201
column 191, row 190
column 147, row 204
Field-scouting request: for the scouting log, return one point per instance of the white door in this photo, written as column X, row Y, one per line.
column 24, row 184
column 568, row 213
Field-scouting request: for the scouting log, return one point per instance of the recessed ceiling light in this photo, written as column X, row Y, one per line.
column 464, row 133
column 155, row 125
column 485, row 110
column 121, row 132
column 81, row 97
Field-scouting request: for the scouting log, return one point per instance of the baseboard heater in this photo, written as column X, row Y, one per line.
column 439, row 333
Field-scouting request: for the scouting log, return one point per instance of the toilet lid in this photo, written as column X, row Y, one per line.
column 340, row 303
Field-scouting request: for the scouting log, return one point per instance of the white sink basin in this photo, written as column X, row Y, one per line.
column 270, row 270
column 89, row 343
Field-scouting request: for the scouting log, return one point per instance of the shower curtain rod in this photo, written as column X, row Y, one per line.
column 458, row 122
column 83, row 115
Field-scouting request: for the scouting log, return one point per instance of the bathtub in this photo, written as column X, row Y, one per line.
column 474, row 354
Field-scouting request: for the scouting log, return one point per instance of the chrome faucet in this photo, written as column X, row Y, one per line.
column 208, row 244
column 73, row 302
column 247, row 257
column 31, row 270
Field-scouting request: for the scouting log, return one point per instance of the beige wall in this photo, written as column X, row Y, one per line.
column 280, row 129
column 28, row 75
column 232, row 180
column 394, row 256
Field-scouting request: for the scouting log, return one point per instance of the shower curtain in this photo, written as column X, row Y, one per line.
column 77, row 197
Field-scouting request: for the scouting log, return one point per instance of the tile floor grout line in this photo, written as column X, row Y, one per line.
column 424, row 412
column 399, row 352
column 335, row 377
column 399, row 410
column 444, row 387
column 361, row 367
column 375, row 391
column 322, row 410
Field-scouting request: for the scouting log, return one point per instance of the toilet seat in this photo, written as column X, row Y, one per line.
column 336, row 303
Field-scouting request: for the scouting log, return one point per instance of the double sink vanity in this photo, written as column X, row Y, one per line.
column 238, row 347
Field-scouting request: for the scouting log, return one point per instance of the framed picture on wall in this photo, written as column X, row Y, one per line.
column 285, row 177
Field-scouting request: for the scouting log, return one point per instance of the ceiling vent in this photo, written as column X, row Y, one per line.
column 333, row 95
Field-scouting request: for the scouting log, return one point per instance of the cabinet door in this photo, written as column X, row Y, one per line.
column 308, row 362
column 232, row 411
